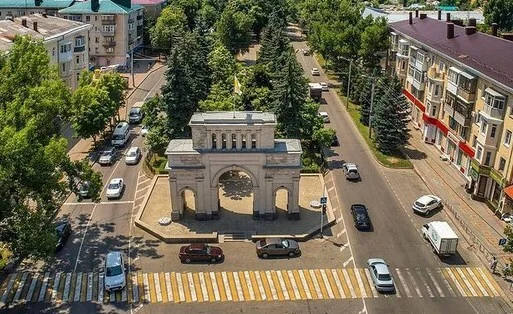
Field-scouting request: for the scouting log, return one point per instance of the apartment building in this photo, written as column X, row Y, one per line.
column 152, row 7
column 460, row 86
column 66, row 41
column 117, row 29
column 17, row 8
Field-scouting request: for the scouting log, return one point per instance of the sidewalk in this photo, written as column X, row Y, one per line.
column 479, row 224
column 84, row 147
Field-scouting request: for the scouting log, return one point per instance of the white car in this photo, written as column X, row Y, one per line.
column 380, row 274
column 324, row 116
column 115, row 273
column 144, row 130
column 315, row 72
column 351, row 171
column 133, row 156
column 325, row 87
column 425, row 204
column 115, row 188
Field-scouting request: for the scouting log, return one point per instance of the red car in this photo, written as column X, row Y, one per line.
column 200, row 252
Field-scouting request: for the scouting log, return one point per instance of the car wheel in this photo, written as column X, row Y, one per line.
column 292, row 254
column 265, row 255
column 187, row 260
column 213, row 260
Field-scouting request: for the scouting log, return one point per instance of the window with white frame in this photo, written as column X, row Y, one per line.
column 502, row 163
column 453, row 76
column 495, row 101
column 79, row 41
column 494, row 129
column 507, row 138
column 436, row 89
column 484, row 125
column 479, row 152
column 65, row 47
column 487, row 158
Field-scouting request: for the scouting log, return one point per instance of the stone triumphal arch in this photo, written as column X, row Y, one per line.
column 233, row 141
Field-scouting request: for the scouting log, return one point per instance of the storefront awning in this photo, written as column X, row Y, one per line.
column 509, row 191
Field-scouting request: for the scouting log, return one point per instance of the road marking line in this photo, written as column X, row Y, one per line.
column 414, row 283
column 67, row 283
column 282, row 285
column 250, row 286
column 20, row 287
column 327, row 284
column 156, row 279
column 100, row 203
column 437, row 286
column 190, row 280
column 341, row 233
column 424, row 282
column 84, row 287
column 226, row 286
column 349, row 283
column 243, row 284
column 338, row 284
column 89, row 292
column 348, row 261
column 101, row 287
column 56, row 286
column 300, row 288
column 267, row 287
column 181, row 292
column 44, row 285
column 354, row 282
column 10, row 282
column 360, row 283
column 135, row 289
column 254, row 284
column 260, row 285
column 467, row 282
column 295, row 288
column 146, row 287
column 461, row 281
column 478, row 283
column 238, row 286
column 442, row 275
column 144, row 181
column 140, row 287
column 316, row 284
column 455, row 281
column 488, row 283
column 169, row 290
column 339, row 219
column 271, row 285
column 306, row 288
column 371, row 284
column 403, row 282
column 343, row 247
column 30, row 292
column 124, row 294
column 203, row 285
column 215, row 288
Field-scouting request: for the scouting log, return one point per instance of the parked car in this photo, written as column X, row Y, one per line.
column 360, row 217
column 306, row 52
column 277, row 247
column 108, row 156
column 380, row 274
column 324, row 116
column 351, row 171
column 426, row 203
column 63, row 230
column 83, row 190
column 335, row 141
column 315, row 72
column 133, row 156
column 115, row 188
column 136, row 114
column 200, row 252
column 325, row 87
column 144, row 130
column 115, row 272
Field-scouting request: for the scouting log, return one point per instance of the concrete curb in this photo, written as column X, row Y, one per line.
column 215, row 237
column 136, row 87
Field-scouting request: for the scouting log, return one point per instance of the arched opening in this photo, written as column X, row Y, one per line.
column 223, row 141
column 214, row 141
column 188, row 202
column 281, row 202
column 236, row 193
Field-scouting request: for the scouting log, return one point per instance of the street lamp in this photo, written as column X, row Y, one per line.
column 349, row 78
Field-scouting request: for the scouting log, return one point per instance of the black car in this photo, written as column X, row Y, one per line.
column 63, row 230
column 83, row 190
column 335, row 142
column 360, row 217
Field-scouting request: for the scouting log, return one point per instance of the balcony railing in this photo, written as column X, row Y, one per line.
column 108, row 32
column 493, row 112
column 434, row 75
column 109, row 43
column 108, row 21
column 79, row 48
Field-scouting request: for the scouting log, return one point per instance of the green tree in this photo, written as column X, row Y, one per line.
column 155, row 118
column 36, row 175
column 233, row 29
column 390, row 119
column 195, row 49
column 223, row 66
column 115, row 86
column 170, row 26
column 190, row 8
column 500, row 12
column 374, row 40
column 323, row 136
column 91, row 110
column 274, row 43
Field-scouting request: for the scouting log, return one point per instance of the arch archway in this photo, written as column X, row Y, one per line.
column 187, row 201
column 281, row 200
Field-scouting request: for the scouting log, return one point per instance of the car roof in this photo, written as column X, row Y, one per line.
column 197, row 246
column 133, row 149
column 272, row 240
column 323, row 113
column 381, row 268
column 425, row 199
column 113, row 258
column 358, row 206
column 116, row 180
column 59, row 225
column 350, row 165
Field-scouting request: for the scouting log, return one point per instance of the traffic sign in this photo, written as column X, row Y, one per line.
column 502, row 241
column 324, row 200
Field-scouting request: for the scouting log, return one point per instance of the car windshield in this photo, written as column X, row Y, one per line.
column 107, row 153
column 118, row 136
column 84, row 186
column 384, row 277
column 420, row 204
column 114, row 271
column 134, row 112
column 361, row 217
column 114, row 186
column 132, row 153
column 285, row 243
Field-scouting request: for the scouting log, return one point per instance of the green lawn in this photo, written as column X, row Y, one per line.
column 397, row 160
column 5, row 254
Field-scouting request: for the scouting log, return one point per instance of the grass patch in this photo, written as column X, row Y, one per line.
column 396, row 160
column 312, row 159
column 5, row 255
column 157, row 164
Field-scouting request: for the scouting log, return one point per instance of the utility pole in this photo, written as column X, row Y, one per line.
column 370, row 111
column 348, row 84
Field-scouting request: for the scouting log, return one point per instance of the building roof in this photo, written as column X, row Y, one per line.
column 106, row 7
column 484, row 54
column 47, row 27
column 395, row 16
column 29, row 4
column 233, row 117
column 148, row 2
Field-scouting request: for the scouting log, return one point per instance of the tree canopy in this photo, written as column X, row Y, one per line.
column 500, row 12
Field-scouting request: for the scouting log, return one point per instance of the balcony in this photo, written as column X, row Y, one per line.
column 140, row 17
column 108, row 31
column 79, row 48
column 65, row 56
column 434, row 75
column 108, row 20
column 108, row 43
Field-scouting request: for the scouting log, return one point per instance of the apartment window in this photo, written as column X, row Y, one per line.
column 502, row 163
column 418, row 76
column 453, row 124
column 53, row 52
column 494, row 129
column 131, row 26
column 88, row 18
column 108, row 28
column 487, row 158
column 484, row 125
column 453, row 76
column 420, row 58
column 433, row 111
column 110, row 50
column 244, row 138
column 495, row 102
column 474, row 142
column 96, row 18
column 507, row 138
column 63, row 66
column 436, row 89
column 79, row 41
column 479, row 152
column 411, row 72
column 96, row 40
column 96, row 50
column 78, row 59
column 214, row 141
column 403, row 65
column 65, row 47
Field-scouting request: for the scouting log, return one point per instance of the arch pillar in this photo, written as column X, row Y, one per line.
column 293, row 208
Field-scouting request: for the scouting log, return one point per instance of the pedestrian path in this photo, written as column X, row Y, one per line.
column 269, row 285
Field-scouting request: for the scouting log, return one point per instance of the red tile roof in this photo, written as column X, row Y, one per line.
column 491, row 56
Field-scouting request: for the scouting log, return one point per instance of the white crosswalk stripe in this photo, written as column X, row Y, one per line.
column 371, row 284
column 478, row 283
column 271, row 285
column 403, row 283
column 181, row 292
column 304, row 284
column 20, row 287
column 360, row 283
column 240, row 294
column 203, row 286
column 55, row 287
column 424, row 282
column 412, row 280
column 32, row 287
column 338, row 284
column 42, row 291
column 282, row 285
column 101, row 287
column 316, row 284
column 433, row 280
column 215, row 287
column 67, row 285
column 89, row 295
column 451, row 291
column 295, row 288
column 135, row 290
column 349, row 283
column 456, row 282
column 250, row 286
column 488, row 283
column 78, row 287
column 156, row 279
column 169, row 290
column 226, row 286
column 260, row 284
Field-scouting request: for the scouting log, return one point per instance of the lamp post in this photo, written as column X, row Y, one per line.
column 349, row 78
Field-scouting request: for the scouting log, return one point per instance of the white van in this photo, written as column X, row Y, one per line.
column 121, row 134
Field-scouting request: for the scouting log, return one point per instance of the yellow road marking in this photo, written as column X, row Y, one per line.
column 322, row 285
column 185, row 281
column 483, row 282
column 83, row 290
column 333, row 284
column 220, row 285
column 174, row 287
column 356, row 286
column 277, row 286
column 288, row 284
column 310, row 284
column 140, row 288
column 71, row 287
column 299, row 284
column 153, row 294
column 461, row 281
column 163, row 287
column 244, row 286
column 267, row 287
column 210, row 289
column 365, row 282
column 254, row 283
column 472, row 282
column 197, row 287
column 233, row 289
column 343, row 282
column 492, row 280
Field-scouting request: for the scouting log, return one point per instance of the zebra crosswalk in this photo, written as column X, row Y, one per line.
column 265, row 285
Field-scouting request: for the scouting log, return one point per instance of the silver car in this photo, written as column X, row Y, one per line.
column 133, row 156
column 115, row 273
column 115, row 188
column 381, row 277
column 351, row 171
column 108, row 156
column 427, row 203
